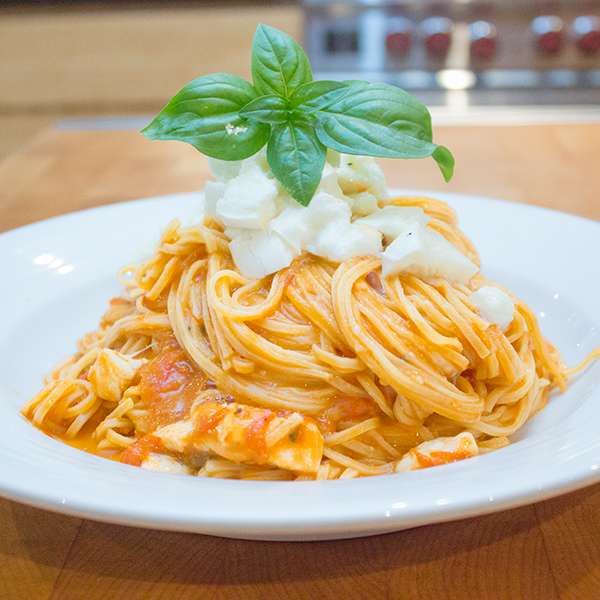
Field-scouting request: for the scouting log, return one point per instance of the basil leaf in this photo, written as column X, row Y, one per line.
column 279, row 65
column 266, row 109
column 296, row 158
column 317, row 95
column 357, row 83
column 205, row 114
column 380, row 120
column 374, row 118
column 443, row 157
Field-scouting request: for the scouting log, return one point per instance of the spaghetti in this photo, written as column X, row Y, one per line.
column 319, row 371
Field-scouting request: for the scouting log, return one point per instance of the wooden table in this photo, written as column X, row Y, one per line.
column 548, row 550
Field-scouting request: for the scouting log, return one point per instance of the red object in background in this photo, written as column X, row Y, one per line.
column 586, row 32
column 398, row 39
column 483, row 37
column 549, row 34
column 438, row 35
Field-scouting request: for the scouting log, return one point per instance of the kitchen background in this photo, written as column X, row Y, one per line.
column 65, row 63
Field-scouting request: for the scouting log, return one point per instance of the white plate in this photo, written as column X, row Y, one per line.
column 58, row 275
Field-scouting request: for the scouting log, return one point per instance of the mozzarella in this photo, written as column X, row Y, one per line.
column 361, row 174
column 249, row 199
column 213, row 192
column 224, row 170
column 260, row 253
column 165, row 463
column 293, row 226
column 442, row 450
column 268, row 229
column 494, row 305
column 423, row 252
column 339, row 240
column 112, row 373
column 391, row 221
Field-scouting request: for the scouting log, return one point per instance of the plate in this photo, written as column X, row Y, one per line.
column 58, row 275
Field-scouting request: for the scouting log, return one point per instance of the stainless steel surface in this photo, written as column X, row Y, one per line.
column 499, row 52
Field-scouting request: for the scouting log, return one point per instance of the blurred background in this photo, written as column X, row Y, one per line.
column 66, row 62
column 114, row 64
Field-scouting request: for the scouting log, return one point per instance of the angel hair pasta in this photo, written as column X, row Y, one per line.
column 353, row 337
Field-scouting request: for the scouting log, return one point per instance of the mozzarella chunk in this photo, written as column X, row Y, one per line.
column 268, row 229
column 249, row 199
column 330, row 184
column 440, row 451
column 361, row 174
column 340, row 240
column 112, row 373
column 332, row 235
column 213, row 192
column 260, row 253
column 423, row 252
column 247, row 434
column 326, row 207
column 494, row 305
column 293, row 226
column 224, row 170
column 364, row 204
column 165, row 463
column 391, row 221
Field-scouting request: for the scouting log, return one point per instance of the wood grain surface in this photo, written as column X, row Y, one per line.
column 547, row 551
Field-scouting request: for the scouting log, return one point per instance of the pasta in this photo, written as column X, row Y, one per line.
column 322, row 370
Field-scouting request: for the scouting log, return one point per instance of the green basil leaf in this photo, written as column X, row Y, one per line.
column 357, row 83
column 266, row 109
column 380, row 120
column 279, row 65
column 317, row 95
column 373, row 118
column 296, row 158
column 205, row 114
column 443, row 157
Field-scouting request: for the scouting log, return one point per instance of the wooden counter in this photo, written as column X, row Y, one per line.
column 545, row 551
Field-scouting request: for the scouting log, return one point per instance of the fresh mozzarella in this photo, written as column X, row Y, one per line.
column 165, row 463
column 339, row 240
column 293, row 226
column 330, row 184
column 326, row 207
column 260, row 253
column 361, row 174
column 494, row 305
column 213, row 192
column 112, row 373
column 249, row 199
column 332, row 235
column 391, row 221
column 423, row 252
column 268, row 229
column 442, row 450
column 364, row 204
column 224, row 170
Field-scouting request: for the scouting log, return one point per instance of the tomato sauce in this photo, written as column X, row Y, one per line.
column 169, row 385
column 207, row 418
column 256, row 434
column 345, row 408
column 435, row 458
column 139, row 451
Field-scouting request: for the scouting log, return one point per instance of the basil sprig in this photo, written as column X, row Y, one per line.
column 226, row 117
